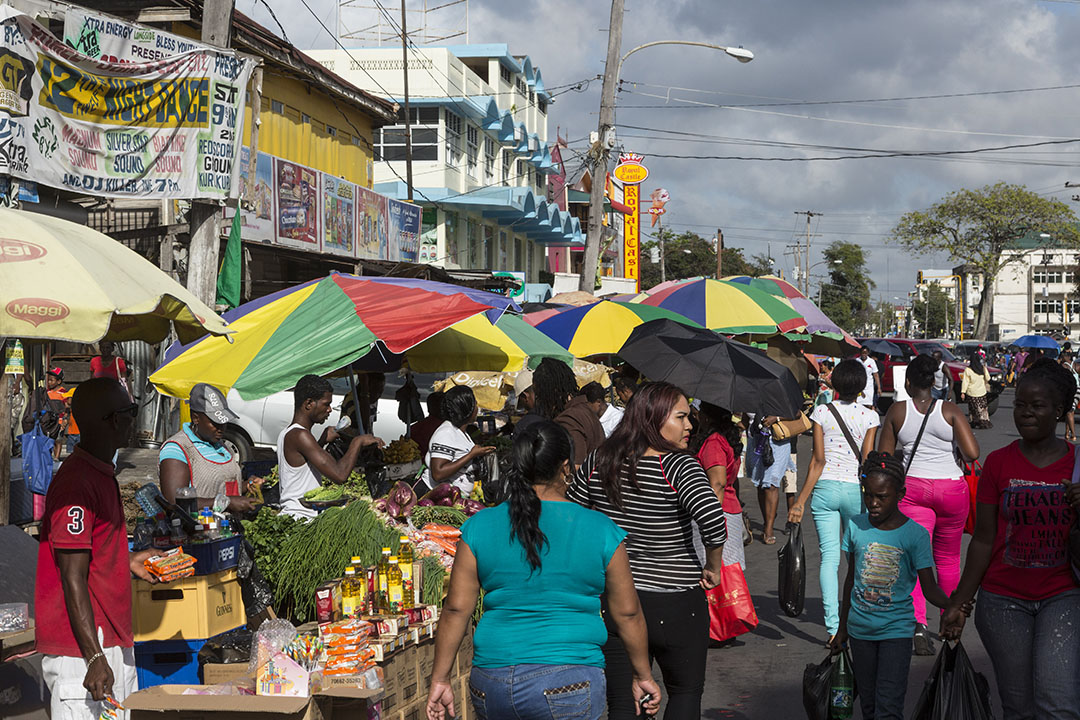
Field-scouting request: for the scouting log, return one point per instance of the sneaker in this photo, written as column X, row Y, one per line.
column 924, row 644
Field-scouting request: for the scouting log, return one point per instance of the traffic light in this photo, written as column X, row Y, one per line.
column 918, row 278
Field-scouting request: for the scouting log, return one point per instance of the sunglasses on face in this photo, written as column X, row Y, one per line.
column 132, row 410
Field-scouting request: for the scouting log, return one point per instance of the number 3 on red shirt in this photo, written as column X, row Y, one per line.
column 75, row 526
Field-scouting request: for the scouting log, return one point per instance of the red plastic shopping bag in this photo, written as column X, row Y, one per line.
column 972, row 472
column 731, row 610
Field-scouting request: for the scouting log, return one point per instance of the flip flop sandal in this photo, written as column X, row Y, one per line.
column 769, row 539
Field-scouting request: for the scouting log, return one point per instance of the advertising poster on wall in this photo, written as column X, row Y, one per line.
column 167, row 129
column 338, row 216
column 404, row 230
column 296, row 191
column 372, row 225
column 256, row 224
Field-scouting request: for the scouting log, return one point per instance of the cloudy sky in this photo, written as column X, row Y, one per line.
column 809, row 56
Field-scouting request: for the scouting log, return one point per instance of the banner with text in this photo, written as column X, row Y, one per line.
column 296, row 194
column 372, row 225
column 404, row 230
column 108, row 39
column 338, row 216
column 163, row 129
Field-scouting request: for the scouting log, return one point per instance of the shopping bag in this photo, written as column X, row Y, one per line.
column 37, row 459
column 791, row 585
column 954, row 690
column 731, row 609
column 815, row 689
column 972, row 473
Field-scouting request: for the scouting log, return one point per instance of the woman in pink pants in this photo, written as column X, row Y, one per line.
column 937, row 494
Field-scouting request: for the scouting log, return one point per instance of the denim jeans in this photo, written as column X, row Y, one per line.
column 538, row 692
column 881, row 674
column 940, row 506
column 678, row 626
column 1034, row 646
column 939, row 393
column 832, row 505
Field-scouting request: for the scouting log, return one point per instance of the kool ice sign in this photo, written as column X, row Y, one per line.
column 164, row 128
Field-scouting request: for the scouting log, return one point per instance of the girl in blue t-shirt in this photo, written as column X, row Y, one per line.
column 886, row 553
column 543, row 563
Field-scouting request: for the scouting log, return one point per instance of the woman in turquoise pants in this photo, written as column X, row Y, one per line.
column 833, row 480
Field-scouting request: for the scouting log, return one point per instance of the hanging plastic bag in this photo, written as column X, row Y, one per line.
column 972, row 473
column 731, row 609
column 818, row 686
column 37, row 459
column 792, row 572
column 954, row 690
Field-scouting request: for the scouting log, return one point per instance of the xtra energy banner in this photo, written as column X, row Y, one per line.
column 168, row 128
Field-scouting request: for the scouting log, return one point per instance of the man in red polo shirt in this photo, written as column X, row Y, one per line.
column 82, row 600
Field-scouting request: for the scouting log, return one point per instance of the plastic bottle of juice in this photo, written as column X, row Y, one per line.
column 405, row 562
column 351, row 595
column 394, row 589
column 382, row 602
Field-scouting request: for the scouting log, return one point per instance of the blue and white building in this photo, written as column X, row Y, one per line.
column 480, row 152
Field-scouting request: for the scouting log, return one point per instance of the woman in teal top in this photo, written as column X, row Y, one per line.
column 543, row 563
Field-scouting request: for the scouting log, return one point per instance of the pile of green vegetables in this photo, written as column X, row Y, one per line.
column 268, row 534
column 319, row 550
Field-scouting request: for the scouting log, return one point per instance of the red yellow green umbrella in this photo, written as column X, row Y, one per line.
column 728, row 308
column 602, row 328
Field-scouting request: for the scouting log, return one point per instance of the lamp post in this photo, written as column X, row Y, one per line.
column 823, row 262
column 605, row 141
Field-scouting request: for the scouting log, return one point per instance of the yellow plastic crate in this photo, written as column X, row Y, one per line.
column 194, row 608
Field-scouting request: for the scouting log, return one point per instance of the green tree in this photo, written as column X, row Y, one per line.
column 983, row 228
column 689, row 255
column 845, row 298
column 935, row 313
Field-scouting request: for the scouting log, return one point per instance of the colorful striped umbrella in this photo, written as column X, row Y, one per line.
column 511, row 344
column 602, row 328
column 318, row 327
column 728, row 308
column 817, row 322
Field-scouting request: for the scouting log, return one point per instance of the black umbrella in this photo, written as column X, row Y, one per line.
column 712, row 368
column 882, row 346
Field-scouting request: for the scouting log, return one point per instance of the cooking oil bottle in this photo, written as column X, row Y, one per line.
column 395, row 589
column 382, row 602
column 352, row 594
column 405, row 562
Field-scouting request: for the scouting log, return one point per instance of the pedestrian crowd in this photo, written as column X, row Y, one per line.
column 622, row 512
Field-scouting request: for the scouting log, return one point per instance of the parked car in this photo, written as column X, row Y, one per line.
column 912, row 347
column 261, row 421
column 966, row 348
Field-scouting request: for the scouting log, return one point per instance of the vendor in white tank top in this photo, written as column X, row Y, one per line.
column 302, row 461
column 936, row 494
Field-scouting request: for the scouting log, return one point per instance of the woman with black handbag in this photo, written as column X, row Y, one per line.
column 927, row 433
column 844, row 433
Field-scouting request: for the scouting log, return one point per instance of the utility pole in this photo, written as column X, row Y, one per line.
column 408, row 120
column 599, row 152
column 204, row 218
column 719, row 253
column 810, row 214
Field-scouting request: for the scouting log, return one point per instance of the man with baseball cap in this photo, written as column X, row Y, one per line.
column 526, row 400
column 196, row 456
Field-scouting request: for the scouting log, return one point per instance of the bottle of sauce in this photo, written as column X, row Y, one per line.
column 405, row 562
column 394, row 589
column 351, row 594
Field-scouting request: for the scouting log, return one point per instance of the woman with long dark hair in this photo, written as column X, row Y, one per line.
column 451, row 450
column 543, row 563
column 642, row 478
column 717, row 444
column 974, row 388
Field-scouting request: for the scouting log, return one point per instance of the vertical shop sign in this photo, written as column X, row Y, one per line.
column 338, row 216
column 404, row 230
column 372, row 225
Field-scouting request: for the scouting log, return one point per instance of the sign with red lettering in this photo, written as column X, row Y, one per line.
column 12, row 250
column 632, row 234
column 37, row 310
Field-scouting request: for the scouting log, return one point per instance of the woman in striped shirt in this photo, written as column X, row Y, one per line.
column 642, row 479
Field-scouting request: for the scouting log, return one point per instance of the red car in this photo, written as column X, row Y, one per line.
column 909, row 349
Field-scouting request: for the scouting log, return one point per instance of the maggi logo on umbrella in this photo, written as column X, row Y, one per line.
column 12, row 250
column 37, row 310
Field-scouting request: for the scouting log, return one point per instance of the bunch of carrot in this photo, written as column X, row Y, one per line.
column 444, row 536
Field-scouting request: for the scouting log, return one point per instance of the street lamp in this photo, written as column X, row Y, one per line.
column 823, row 262
column 599, row 153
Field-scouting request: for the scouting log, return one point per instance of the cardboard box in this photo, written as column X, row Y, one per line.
column 356, row 681
column 388, row 624
column 193, row 608
column 425, row 663
column 463, row 665
column 219, row 673
column 465, row 710
column 168, row 702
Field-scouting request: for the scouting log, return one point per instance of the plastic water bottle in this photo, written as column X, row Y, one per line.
column 841, row 689
column 144, row 534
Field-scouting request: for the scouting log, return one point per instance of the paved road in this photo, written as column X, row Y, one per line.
column 762, row 677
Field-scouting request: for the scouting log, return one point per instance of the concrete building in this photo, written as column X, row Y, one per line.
column 1036, row 293
column 480, row 153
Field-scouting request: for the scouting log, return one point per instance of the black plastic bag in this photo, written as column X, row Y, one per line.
column 815, row 689
column 791, row 586
column 954, row 690
column 227, row 648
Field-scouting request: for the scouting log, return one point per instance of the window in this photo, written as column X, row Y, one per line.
column 1041, row 275
column 520, row 170
column 277, row 106
column 476, row 246
column 1044, row 306
column 453, row 139
column 519, row 83
column 504, row 73
column 532, row 96
column 542, row 107
column 305, row 118
column 504, row 247
column 356, row 140
column 489, row 247
column 507, row 163
column 520, row 261
column 390, row 140
column 489, row 160
column 541, row 184
column 331, row 131
column 472, row 148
